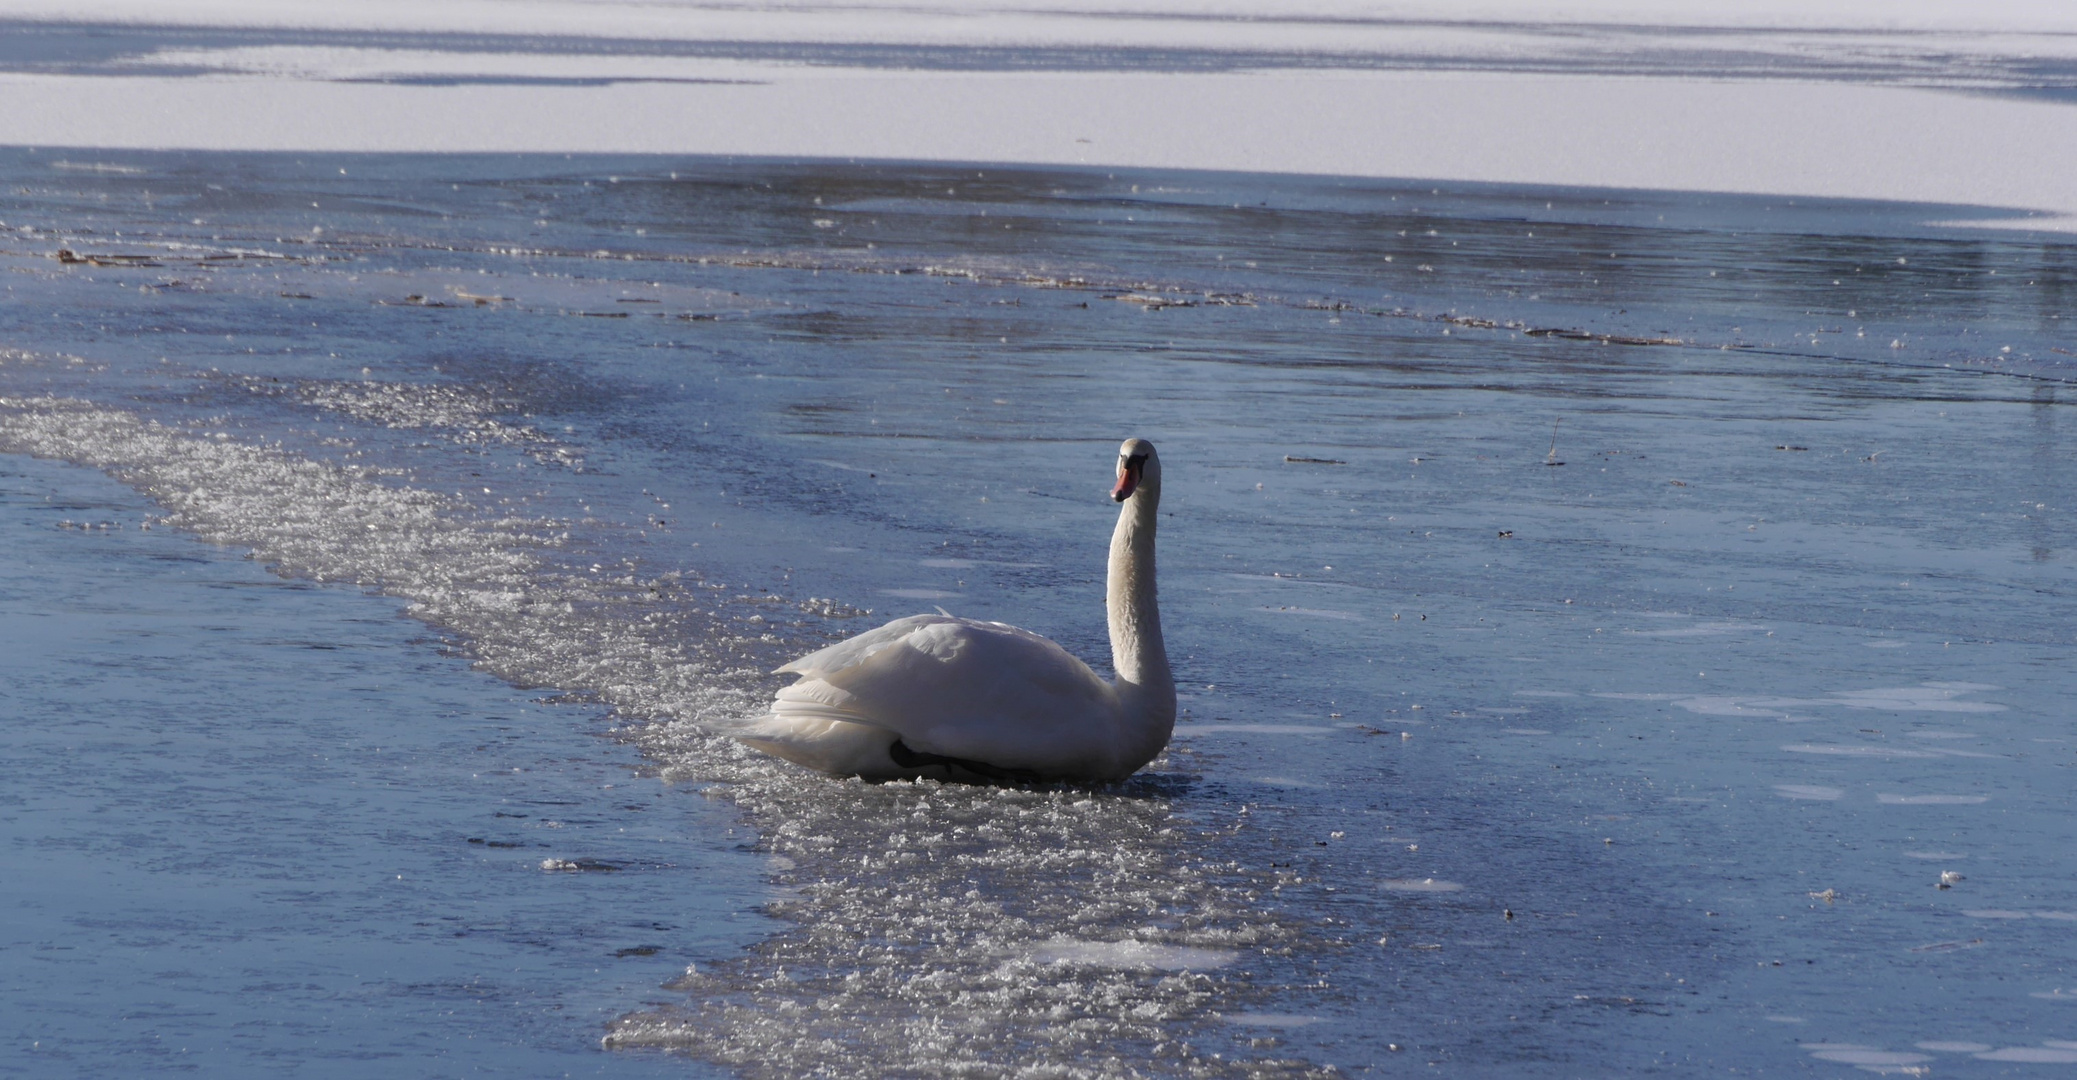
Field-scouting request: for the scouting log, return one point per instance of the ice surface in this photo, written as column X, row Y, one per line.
column 1130, row 954
column 2040, row 1055
column 1856, row 1055
column 1962, row 106
column 1272, row 1020
column 1419, row 885
column 1019, row 23
column 636, row 516
column 251, row 823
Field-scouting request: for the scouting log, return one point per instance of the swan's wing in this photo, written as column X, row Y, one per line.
column 981, row 691
column 856, row 650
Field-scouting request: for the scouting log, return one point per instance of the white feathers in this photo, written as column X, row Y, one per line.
column 996, row 700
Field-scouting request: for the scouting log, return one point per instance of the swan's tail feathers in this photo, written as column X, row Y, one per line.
column 824, row 744
column 809, row 726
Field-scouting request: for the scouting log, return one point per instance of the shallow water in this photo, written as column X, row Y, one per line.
column 1602, row 619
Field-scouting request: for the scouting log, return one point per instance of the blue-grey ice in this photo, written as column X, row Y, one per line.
column 367, row 502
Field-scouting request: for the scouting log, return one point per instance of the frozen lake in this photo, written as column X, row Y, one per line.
column 1606, row 621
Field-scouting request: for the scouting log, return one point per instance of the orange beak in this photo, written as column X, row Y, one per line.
column 1128, row 480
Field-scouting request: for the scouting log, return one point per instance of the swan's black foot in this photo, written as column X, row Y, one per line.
column 918, row 759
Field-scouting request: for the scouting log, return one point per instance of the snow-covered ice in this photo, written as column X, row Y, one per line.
column 1918, row 102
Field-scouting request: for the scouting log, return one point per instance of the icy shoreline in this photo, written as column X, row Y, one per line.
column 1852, row 101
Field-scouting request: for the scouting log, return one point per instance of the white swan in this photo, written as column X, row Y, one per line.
column 959, row 699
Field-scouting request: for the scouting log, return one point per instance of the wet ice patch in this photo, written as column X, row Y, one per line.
column 464, row 415
column 1289, row 782
column 1420, row 885
column 1187, row 730
column 1273, row 1020
column 946, row 563
column 1889, row 799
column 577, row 866
column 1941, row 1046
column 1948, row 946
column 1704, row 629
column 1835, row 750
column 1760, row 708
column 2038, row 1055
column 1934, row 856
column 538, row 294
column 1865, row 1056
column 1808, row 791
column 919, row 594
column 1316, row 613
column 846, row 467
column 2057, row 994
column 1523, row 731
column 1128, row 955
column 1925, row 697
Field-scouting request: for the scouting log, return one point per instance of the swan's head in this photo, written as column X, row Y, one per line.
column 1137, row 467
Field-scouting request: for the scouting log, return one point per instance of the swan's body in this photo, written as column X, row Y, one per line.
column 941, row 696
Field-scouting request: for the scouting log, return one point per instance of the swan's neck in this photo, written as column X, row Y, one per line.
column 1145, row 688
